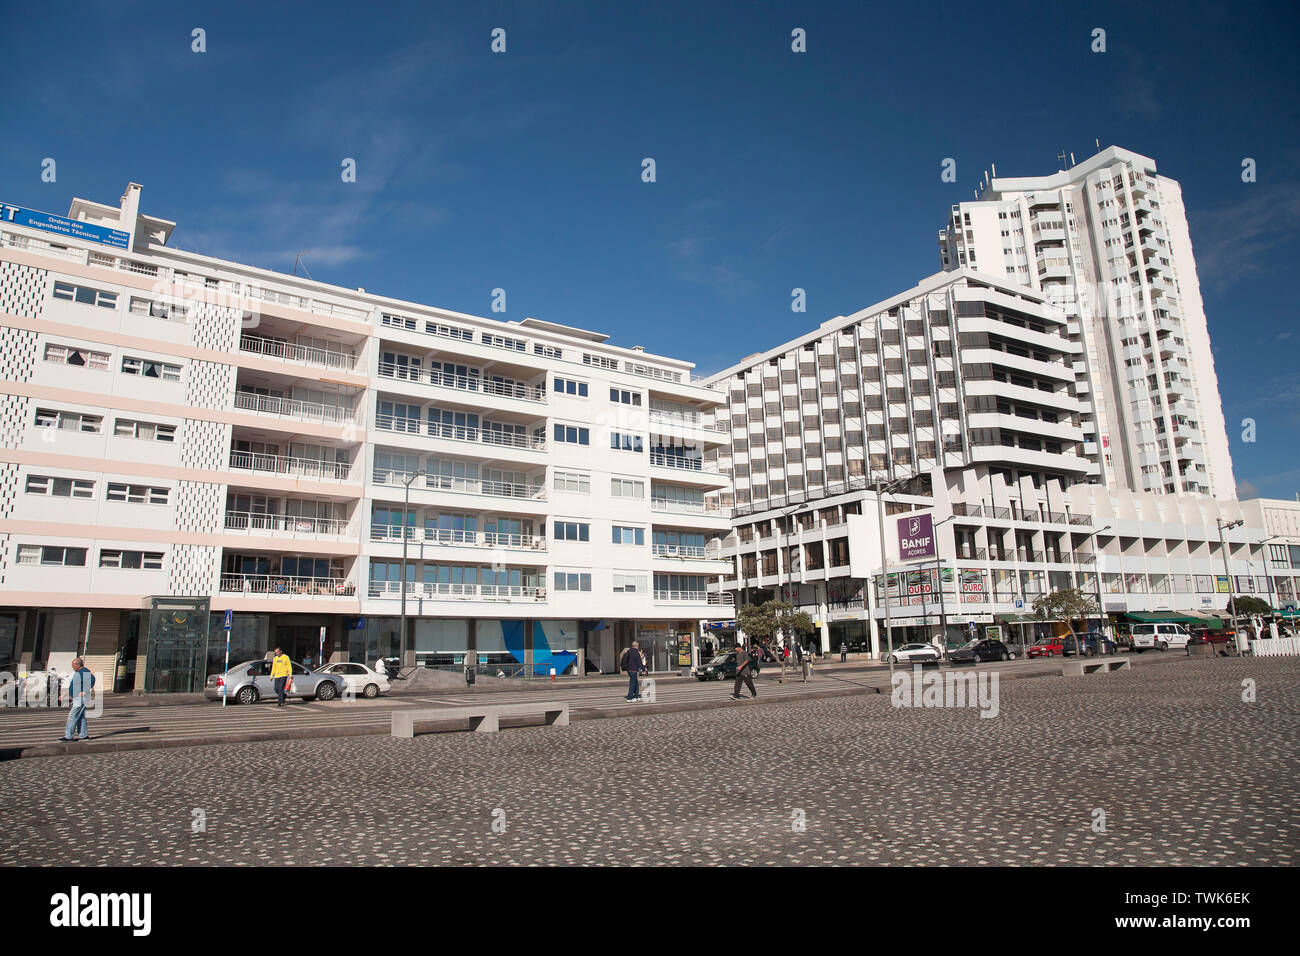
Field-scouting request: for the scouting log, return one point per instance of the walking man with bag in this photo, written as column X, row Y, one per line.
column 79, row 690
column 281, row 672
column 744, row 672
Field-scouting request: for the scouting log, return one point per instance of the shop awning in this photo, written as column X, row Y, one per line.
column 1164, row 617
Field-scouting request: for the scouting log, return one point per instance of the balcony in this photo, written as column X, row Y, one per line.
column 296, row 467
column 466, row 486
column 669, row 506
column 282, row 351
column 694, row 597
column 687, row 421
column 276, row 585
column 252, row 522
column 436, row 591
column 294, row 410
column 688, row 552
column 464, row 383
column 464, row 433
column 681, row 463
column 459, row 539
column 305, row 304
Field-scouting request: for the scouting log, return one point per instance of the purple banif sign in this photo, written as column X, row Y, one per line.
column 916, row 537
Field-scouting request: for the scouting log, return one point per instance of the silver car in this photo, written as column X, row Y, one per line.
column 916, row 654
column 248, row 683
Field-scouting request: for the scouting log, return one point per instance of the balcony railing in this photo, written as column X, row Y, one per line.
column 294, row 409
column 461, row 539
column 289, row 352
column 686, row 507
column 305, row 304
column 468, row 486
column 254, row 522
column 283, row 465
column 457, row 592
column 687, row 421
column 466, row 433
column 693, row 597
column 688, row 552
column 278, row 585
column 463, row 383
column 664, row 460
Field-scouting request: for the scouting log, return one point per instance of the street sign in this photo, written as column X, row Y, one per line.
column 1020, row 604
column 229, row 616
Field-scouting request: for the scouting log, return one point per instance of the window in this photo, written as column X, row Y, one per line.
column 573, row 481
column 626, row 488
column 159, row 310
column 572, row 531
column 137, row 494
column 68, row 421
column 85, row 295
column 46, row 555
column 548, row 351
column 624, row 397
column 69, row 355
column 630, row 584
column 572, row 434
column 446, row 331
column 148, row 368
column 135, row 560
column 59, row 487
column 628, row 535
column 149, row 431
column 599, row 361
column 625, row 442
column 568, row 386
column 572, row 581
column 503, row 342
column 398, row 322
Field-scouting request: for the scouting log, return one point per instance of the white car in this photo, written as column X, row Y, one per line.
column 916, row 654
column 361, row 680
column 1159, row 636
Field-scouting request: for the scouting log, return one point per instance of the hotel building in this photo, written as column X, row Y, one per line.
column 184, row 436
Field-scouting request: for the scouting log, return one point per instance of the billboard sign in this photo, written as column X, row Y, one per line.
column 916, row 537
column 72, row 228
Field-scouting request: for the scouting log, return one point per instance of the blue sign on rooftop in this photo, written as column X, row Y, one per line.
column 18, row 216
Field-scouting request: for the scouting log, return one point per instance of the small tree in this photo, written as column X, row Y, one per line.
column 764, row 622
column 1245, row 605
column 1068, row 605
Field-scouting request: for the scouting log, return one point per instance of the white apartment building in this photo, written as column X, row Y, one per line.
column 185, row 436
column 1107, row 240
column 961, row 397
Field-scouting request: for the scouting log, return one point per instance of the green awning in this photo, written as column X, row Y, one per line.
column 1021, row 619
column 1164, row 617
column 1212, row 622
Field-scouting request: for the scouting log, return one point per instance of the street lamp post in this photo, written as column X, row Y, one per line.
column 1223, row 546
column 1096, row 573
column 882, row 485
column 406, row 507
column 938, row 581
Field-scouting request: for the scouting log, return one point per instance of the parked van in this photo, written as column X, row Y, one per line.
column 1159, row 636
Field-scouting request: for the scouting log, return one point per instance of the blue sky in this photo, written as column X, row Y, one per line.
column 775, row 170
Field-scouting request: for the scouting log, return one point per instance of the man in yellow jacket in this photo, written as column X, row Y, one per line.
column 281, row 670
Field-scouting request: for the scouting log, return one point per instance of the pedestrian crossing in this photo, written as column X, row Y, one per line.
column 210, row 722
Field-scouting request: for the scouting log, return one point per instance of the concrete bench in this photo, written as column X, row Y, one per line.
column 1095, row 665
column 484, row 720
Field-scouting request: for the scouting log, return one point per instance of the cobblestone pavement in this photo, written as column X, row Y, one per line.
column 1184, row 770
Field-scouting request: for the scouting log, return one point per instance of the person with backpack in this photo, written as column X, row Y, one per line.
column 744, row 672
column 635, row 664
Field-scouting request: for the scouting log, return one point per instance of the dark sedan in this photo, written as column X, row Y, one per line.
column 985, row 649
column 722, row 667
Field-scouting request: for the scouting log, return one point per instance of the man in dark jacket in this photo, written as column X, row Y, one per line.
column 635, row 664
column 744, row 672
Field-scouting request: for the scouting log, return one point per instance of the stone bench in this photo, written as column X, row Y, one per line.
column 484, row 720
column 1096, row 665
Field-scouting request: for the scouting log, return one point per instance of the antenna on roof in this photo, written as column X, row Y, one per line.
column 1098, row 142
column 1061, row 157
column 995, row 170
column 297, row 260
column 1071, row 158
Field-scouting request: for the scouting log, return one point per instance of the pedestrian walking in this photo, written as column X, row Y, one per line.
column 79, row 690
column 281, row 671
column 635, row 664
column 744, row 672
column 844, row 652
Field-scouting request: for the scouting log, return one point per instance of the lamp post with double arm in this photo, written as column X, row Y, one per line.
column 883, row 485
column 406, row 534
column 1223, row 546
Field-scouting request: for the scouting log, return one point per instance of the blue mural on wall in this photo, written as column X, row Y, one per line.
column 543, row 657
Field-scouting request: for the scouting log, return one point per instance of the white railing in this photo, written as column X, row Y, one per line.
column 469, row 486
column 284, row 465
column 687, row 507
column 463, row 383
column 681, row 463
column 305, row 304
column 468, row 433
column 293, row 408
column 254, row 522
column 1276, row 647
column 450, row 536
column 289, row 352
column 686, row 421
column 693, row 597
column 284, row 585
column 457, row 592
column 40, row 247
